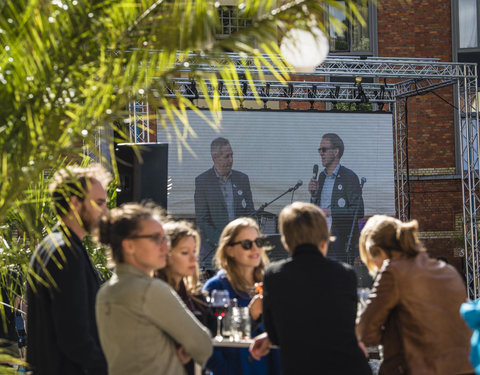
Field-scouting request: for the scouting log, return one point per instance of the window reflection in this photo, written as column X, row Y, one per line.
column 467, row 23
column 346, row 35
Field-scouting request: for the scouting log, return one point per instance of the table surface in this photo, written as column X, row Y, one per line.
column 236, row 344
column 232, row 344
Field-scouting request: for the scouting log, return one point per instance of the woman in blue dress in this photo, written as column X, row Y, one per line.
column 241, row 259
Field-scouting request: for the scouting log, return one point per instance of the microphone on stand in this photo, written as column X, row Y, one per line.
column 292, row 189
column 362, row 181
column 297, row 185
column 315, row 171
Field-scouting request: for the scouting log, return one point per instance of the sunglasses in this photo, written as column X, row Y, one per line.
column 324, row 149
column 157, row 238
column 247, row 244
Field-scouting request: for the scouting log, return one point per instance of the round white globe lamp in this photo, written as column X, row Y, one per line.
column 304, row 50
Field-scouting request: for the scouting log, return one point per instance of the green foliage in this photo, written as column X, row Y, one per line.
column 68, row 69
column 352, row 107
column 98, row 254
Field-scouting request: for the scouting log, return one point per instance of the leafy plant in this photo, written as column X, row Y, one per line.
column 68, row 69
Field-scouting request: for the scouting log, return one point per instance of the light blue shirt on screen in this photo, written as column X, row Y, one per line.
column 326, row 197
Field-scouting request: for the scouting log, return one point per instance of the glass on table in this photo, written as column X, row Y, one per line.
column 241, row 327
column 219, row 301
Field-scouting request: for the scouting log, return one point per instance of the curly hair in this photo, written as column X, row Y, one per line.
column 74, row 181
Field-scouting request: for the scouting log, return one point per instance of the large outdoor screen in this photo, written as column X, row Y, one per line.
column 274, row 151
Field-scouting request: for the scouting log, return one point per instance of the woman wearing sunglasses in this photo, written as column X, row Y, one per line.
column 143, row 325
column 242, row 260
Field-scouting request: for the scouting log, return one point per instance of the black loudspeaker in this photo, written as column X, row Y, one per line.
column 143, row 172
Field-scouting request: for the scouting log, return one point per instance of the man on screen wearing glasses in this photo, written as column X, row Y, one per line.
column 336, row 190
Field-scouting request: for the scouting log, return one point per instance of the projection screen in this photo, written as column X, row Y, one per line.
column 276, row 149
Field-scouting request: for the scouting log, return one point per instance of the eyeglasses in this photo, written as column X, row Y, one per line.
column 157, row 238
column 324, row 149
column 247, row 244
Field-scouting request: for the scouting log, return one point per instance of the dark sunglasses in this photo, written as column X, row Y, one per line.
column 157, row 238
column 247, row 244
column 324, row 149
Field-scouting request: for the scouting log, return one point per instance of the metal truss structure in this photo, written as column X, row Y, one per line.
column 391, row 81
column 139, row 122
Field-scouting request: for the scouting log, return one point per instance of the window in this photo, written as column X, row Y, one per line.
column 230, row 20
column 467, row 24
column 355, row 38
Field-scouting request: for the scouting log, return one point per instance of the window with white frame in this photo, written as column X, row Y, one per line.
column 467, row 24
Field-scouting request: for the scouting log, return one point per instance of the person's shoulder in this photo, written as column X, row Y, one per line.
column 54, row 242
column 157, row 286
column 219, row 281
column 209, row 173
column 238, row 174
column 277, row 266
column 339, row 267
column 346, row 171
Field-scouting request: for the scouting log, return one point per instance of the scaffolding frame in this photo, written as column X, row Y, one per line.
column 395, row 80
column 139, row 122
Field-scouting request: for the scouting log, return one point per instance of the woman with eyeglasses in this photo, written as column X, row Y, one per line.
column 241, row 259
column 181, row 272
column 143, row 325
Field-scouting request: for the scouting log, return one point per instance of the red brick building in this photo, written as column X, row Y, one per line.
column 443, row 30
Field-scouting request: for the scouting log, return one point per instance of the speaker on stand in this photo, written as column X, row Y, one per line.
column 143, row 172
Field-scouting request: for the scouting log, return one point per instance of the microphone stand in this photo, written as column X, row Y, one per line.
column 254, row 214
column 263, row 206
column 354, row 222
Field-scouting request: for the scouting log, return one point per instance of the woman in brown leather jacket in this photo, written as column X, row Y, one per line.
column 413, row 308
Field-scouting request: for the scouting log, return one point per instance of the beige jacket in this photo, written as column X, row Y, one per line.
column 414, row 307
column 140, row 319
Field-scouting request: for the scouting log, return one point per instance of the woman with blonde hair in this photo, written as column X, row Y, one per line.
column 242, row 260
column 413, row 308
column 181, row 272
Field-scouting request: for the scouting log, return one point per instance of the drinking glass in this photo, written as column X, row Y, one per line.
column 219, row 300
column 362, row 294
column 240, row 323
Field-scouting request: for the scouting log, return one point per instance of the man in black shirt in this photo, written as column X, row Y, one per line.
column 61, row 323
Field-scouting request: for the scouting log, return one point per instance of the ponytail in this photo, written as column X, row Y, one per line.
column 386, row 233
column 406, row 235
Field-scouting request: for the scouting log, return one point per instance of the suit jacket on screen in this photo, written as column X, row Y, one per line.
column 346, row 198
column 210, row 208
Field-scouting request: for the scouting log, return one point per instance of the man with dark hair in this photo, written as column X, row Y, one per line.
column 338, row 193
column 221, row 195
column 61, row 292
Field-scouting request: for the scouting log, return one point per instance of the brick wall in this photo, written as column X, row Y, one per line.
column 415, row 29
column 422, row 29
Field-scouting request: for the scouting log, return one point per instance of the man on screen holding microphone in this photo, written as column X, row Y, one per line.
column 337, row 191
